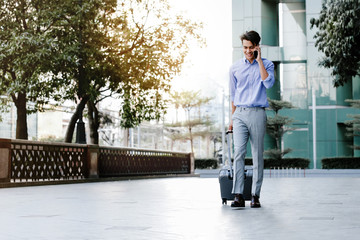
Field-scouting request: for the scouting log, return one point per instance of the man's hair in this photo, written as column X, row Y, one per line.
column 251, row 36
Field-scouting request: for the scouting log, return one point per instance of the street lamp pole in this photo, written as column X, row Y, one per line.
column 314, row 126
column 223, row 128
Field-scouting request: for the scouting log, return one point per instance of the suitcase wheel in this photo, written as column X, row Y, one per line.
column 224, row 201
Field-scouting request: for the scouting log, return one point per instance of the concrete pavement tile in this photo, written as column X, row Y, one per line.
column 181, row 208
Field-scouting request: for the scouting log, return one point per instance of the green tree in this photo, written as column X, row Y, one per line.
column 277, row 126
column 154, row 45
column 86, row 51
column 129, row 51
column 87, row 56
column 338, row 37
column 196, row 126
column 26, row 45
column 354, row 124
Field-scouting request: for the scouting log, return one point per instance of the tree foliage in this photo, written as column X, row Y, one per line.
column 338, row 37
column 90, row 55
column 354, row 124
column 26, row 46
column 128, row 50
column 86, row 51
column 277, row 126
column 152, row 43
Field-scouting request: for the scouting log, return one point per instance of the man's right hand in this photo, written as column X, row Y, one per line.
column 230, row 126
column 233, row 108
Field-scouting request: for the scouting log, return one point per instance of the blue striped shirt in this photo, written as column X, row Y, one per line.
column 246, row 87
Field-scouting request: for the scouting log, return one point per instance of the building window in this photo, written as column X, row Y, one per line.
column 274, row 91
column 293, row 84
column 343, row 93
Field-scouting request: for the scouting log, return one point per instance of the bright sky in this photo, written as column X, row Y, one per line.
column 207, row 68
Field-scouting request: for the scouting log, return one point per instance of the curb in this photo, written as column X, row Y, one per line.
column 90, row 180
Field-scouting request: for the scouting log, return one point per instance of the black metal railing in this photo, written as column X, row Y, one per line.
column 36, row 161
column 126, row 161
column 31, row 161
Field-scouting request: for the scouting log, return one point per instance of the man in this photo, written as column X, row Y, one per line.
column 249, row 79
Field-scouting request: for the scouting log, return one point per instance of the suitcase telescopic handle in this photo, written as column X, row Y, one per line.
column 229, row 152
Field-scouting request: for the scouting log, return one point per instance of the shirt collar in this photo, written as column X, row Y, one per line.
column 247, row 61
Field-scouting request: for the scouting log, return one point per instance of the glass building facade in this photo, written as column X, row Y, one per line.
column 288, row 41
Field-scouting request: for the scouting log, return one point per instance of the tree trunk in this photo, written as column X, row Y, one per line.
column 191, row 141
column 79, row 109
column 278, row 143
column 208, row 146
column 190, row 133
column 21, row 121
column 278, row 139
column 94, row 122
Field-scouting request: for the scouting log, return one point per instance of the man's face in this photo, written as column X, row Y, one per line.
column 248, row 49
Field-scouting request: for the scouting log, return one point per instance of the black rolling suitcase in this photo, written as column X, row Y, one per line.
column 226, row 178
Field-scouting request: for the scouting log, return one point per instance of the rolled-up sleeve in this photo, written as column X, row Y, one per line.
column 232, row 84
column 270, row 80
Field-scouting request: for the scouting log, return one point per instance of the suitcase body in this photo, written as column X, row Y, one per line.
column 226, row 178
column 226, row 184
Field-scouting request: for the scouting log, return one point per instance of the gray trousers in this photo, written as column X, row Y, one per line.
column 248, row 123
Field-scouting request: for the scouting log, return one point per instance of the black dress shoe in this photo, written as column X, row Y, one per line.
column 239, row 201
column 255, row 203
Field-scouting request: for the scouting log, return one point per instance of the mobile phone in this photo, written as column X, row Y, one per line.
column 255, row 54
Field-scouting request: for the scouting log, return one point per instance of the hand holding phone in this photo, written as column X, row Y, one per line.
column 256, row 54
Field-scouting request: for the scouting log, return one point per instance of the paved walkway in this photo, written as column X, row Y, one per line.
column 181, row 208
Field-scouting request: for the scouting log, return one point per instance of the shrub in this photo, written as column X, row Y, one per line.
column 203, row 163
column 283, row 163
column 341, row 163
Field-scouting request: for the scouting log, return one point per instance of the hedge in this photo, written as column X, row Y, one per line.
column 203, row 163
column 341, row 163
column 283, row 163
column 268, row 163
